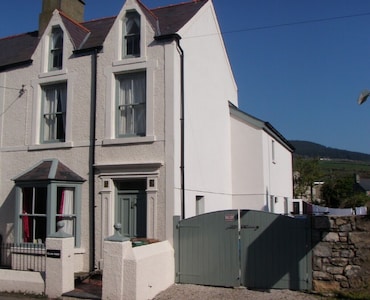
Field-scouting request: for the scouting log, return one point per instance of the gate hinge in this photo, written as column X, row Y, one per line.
column 249, row 227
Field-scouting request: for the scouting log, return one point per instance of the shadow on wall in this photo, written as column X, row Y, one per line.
column 276, row 251
column 7, row 215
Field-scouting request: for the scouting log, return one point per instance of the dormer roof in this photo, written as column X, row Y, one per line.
column 91, row 34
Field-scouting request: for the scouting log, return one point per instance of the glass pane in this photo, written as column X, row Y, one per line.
column 40, row 200
column 132, row 104
column 27, row 229
column 27, row 200
column 39, row 230
column 69, row 224
column 132, row 34
column 55, row 105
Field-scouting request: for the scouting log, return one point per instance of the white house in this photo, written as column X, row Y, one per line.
column 131, row 119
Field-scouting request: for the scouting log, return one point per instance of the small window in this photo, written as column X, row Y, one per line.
column 199, row 205
column 54, row 108
column 131, row 104
column 131, row 35
column 56, row 49
column 273, row 151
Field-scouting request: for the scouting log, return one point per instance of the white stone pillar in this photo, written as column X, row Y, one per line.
column 115, row 249
column 59, row 274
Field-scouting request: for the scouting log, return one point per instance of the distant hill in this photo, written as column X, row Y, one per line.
column 309, row 149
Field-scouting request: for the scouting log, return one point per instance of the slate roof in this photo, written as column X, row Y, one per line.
column 91, row 34
column 265, row 126
column 365, row 183
column 49, row 169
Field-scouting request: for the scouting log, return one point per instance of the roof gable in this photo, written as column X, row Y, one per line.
column 173, row 17
column 265, row 126
column 77, row 32
column 18, row 50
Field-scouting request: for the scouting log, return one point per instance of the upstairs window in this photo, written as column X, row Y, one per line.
column 131, row 35
column 131, row 104
column 54, row 106
column 56, row 49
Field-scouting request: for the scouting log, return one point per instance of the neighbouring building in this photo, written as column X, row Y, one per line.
column 131, row 119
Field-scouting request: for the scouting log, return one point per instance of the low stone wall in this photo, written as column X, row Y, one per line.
column 24, row 282
column 341, row 253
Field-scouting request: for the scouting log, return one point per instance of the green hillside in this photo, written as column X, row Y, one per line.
column 334, row 162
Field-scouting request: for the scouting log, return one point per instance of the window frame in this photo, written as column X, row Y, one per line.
column 55, row 50
column 51, row 208
column 133, row 106
column 61, row 88
column 135, row 37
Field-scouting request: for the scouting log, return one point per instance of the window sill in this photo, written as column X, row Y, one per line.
column 50, row 146
column 53, row 73
column 129, row 60
column 129, row 140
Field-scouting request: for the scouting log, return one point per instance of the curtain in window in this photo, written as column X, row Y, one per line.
column 26, row 209
column 132, row 105
column 66, row 209
column 55, row 106
column 49, row 114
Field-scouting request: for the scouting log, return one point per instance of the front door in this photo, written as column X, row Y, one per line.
column 131, row 213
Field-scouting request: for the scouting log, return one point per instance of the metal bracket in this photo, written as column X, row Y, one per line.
column 249, row 227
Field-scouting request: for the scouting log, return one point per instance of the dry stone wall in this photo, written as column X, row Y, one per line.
column 341, row 253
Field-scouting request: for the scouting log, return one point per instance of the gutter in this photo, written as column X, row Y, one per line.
column 176, row 37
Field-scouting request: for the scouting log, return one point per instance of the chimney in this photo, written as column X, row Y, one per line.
column 72, row 8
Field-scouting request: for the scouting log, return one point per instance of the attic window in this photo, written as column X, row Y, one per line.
column 131, row 35
column 56, row 49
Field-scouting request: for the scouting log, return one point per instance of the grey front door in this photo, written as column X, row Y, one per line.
column 131, row 213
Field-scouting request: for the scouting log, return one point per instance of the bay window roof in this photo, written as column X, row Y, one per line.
column 49, row 169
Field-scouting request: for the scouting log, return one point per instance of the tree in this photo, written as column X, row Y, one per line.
column 306, row 172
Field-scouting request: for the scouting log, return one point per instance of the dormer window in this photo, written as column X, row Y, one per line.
column 131, row 35
column 56, row 49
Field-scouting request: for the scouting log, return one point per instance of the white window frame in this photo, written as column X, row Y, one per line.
column 55, row 112
column 131, row 104
column 132, row 18
column 110, row 137
column 52, row 213
column 55, row 50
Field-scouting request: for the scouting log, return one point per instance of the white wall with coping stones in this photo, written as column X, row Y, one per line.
column 24, row 282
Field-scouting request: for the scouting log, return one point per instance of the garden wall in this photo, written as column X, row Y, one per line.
column 341, row 253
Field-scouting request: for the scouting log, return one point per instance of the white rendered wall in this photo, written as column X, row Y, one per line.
column 209, row 85
column 249, row 191
column 20, row 147
column 261, row 180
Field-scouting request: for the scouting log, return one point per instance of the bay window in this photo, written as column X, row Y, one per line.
column 46, row 194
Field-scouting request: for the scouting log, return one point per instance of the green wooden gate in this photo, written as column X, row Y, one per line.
column 261, row 251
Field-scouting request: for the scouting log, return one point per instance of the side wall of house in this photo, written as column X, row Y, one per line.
column 262, row 166
column 247, row 158
column 209, row 85
column 277, row 166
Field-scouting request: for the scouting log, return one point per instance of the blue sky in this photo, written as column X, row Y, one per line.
column 299, row 65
